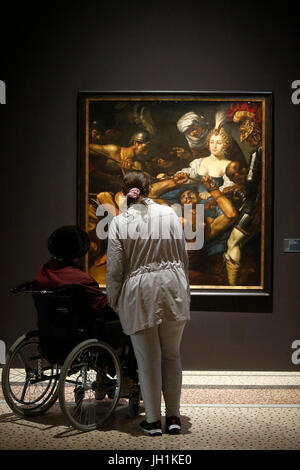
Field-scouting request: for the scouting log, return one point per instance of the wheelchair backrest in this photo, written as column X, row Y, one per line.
column 60, row 321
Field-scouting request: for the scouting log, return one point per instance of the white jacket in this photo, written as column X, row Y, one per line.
column 147, row 272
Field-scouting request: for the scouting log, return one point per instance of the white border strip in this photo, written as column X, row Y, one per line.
column 236, row 373
column 231, row 405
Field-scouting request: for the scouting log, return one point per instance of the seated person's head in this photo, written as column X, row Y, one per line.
column 68, row 243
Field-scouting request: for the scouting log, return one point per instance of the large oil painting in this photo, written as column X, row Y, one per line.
column 207, row 151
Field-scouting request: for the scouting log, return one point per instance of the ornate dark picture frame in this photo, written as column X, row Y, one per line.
column 222, row 141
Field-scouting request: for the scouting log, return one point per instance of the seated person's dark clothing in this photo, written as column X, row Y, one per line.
column 57, row 273
column 97, row 312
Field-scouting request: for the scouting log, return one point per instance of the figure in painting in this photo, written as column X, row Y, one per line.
column 116, row 160
column 248, row 117
column 219, row 143
column 130, row 157
column 195, row 128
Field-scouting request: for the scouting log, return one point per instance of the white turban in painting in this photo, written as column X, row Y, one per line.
column 189, row 120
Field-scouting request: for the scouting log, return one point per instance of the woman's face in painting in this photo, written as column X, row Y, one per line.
column 216, row 145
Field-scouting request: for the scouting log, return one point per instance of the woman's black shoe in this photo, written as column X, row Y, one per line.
column 173, row 425
column 152, row 429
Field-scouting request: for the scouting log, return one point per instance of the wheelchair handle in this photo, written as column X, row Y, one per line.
column 27, row 288
column 20, row 287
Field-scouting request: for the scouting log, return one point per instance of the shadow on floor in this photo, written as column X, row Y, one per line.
column 118, row 421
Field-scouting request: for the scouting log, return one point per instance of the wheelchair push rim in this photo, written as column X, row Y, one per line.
column 29, row 381
column 80, row 376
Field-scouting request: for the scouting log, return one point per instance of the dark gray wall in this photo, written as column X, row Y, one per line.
column 49, row 56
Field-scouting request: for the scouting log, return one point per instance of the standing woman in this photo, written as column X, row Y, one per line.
column 148, row 286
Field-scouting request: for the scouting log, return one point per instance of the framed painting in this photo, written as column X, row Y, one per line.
column 208, row 155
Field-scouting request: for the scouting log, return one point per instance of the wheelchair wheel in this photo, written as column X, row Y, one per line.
column 29, row 382
column 89, row 385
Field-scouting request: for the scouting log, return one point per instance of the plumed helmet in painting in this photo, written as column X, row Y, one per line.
column 141, row 136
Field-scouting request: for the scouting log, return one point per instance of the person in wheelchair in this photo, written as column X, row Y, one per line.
column 67, row 245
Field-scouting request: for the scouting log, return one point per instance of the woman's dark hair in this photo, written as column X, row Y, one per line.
column 136, row 179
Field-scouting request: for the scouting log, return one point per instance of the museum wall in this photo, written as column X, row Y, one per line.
column 47, row 57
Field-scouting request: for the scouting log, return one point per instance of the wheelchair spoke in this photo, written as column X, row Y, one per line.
column 21, row 357
column 26, row 388
column 77, row 412
column 84, row 404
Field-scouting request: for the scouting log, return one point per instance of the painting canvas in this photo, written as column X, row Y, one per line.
column 206, row 151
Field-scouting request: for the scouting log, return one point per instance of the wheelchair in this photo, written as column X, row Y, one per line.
column 62, row 361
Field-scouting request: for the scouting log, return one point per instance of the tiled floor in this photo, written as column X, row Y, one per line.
column 220, row 410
